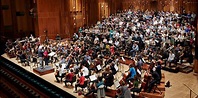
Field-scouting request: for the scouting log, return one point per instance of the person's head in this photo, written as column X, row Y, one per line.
column 60, row 65
column 131, row 65
column 99, row 78
column 81, row 73
column 122, row 83
column 71, row 70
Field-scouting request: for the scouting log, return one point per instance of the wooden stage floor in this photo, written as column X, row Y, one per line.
column 51, row 78
column 177, row 90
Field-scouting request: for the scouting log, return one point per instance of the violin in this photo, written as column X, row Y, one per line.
column 124, row 77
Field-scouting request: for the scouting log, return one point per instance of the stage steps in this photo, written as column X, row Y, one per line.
column 185, row 68
column 173, row 69
column 179, row 68
column 162, row 80
column 151, row 95
column 161, row 86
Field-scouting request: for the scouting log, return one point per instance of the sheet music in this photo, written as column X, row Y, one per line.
column 117, row 84
column 116, row 67
column 64, row 65
column 92, row 77
column 88, row 62
column 57, row 64
column 123, row 59
column 139, row 72
column 98, row 67
column 143, row 60
column 52, row 54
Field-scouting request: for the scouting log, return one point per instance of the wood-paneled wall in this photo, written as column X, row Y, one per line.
column 54, row 17
column 14, row 25
column 196, row 51
column 161, row 5
column 64, row 17
column 1, row 19
column 48, row 17
column 7, row 18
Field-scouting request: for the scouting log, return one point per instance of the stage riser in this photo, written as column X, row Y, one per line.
column 43, row 71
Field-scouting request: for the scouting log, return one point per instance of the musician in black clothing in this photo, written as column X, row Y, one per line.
column 112, row 68
column 155, row 79
column 109, row 78
column 158, row 70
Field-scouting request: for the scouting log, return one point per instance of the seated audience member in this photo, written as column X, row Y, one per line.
column 135, row 48
column 80, row 82
column 59, row 73
column 69, row 77
column 62, row 60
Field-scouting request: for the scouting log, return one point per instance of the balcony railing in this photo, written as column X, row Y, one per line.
column 192, row 92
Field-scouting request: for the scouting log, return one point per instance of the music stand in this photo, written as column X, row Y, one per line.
column 93, row 78
column 116, row 84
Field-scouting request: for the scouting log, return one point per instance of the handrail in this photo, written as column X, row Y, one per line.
column 191, row 90
column 42, row 85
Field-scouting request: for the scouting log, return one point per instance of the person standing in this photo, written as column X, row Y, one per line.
column 40, row 55
column 45, row 56
column 124, row 91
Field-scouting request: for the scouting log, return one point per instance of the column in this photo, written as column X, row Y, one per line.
column 1, row 21
column 196, row 52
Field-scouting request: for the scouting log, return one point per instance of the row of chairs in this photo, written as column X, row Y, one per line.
column 8, row 91
column 27, row 90
column 40, row 84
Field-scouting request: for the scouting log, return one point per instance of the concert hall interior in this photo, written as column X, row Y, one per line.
column 98, row 49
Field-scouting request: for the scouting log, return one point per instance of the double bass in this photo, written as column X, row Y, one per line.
column 147, row 79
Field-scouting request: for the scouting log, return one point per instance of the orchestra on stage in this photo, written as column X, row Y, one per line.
column 93, row 58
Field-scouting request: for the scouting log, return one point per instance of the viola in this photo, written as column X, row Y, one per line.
column 124, row 77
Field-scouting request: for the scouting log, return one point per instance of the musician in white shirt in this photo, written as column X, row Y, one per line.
column 59, row 73
column 171, row 58
column 85, row 71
